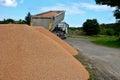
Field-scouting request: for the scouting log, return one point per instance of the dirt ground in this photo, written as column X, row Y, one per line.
column 103, row 62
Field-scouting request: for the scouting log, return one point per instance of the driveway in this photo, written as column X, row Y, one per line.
column 106, row 59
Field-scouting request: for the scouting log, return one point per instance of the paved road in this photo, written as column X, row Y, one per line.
column 107, row 59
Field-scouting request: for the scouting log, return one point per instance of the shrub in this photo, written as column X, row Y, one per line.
column 117, row 28
column 102, row 31
column 110, row 32
column 91, row 27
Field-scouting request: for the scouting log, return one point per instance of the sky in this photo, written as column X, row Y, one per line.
column 76, row 11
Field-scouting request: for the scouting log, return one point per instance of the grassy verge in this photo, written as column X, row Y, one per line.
column 74, row 36
column 88, row 65
column 110, row 41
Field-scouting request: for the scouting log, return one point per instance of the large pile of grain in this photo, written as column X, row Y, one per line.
column 57, row 39
column 27, row 54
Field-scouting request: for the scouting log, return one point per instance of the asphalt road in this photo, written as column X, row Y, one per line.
column 107, row 59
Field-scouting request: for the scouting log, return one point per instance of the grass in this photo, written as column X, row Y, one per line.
column 85, row 63
column 110, row 41
column 74, row 36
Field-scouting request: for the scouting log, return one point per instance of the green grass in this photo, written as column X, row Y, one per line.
column 82, row 60
column 110, row 41
column 74, row 36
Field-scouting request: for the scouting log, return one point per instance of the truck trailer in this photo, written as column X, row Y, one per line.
column 53, row 21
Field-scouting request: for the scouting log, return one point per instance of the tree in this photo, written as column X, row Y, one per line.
column 117, row 29
column 8, row 21
column 112, row 3
column 12, row 21
column 0, row 22
column 91, row 27
column 117, row 15
column 20, row 21
column 28, row 18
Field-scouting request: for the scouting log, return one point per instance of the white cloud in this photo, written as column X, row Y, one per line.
column 9, row 3
column 70, row 9
column 95, row 7
column 77, row 8
column 75, row 25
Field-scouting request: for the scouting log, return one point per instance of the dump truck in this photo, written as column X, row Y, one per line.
column 53, row 21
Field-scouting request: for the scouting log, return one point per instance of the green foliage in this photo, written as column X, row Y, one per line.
column 74, row 28
column 110, row 41
column 74, row 36
column 20, row 21
column 102, row 31
column 112, row 25
column 117, row 14
column 28, row 18
column 110, row 29
column 11, row 21
column 112, row 3
column 0, row 22
column 110, row 32
column 91, row 27
column 117, row 27
column 8, row 21
column 87, row 63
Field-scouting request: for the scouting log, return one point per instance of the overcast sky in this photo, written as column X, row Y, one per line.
column 77, row 11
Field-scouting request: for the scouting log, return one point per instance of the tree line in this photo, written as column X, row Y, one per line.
column 92, row 27
column 11, row 21
column 20, row 21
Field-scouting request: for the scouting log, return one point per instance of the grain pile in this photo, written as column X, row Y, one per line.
column 50, row 13
column 70, row 49
column 27, row 54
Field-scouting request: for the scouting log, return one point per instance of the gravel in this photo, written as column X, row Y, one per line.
column 105, row 59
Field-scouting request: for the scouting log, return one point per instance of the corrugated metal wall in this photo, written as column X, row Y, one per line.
column 58, row 19
column 46, row 22
column 41, row 22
